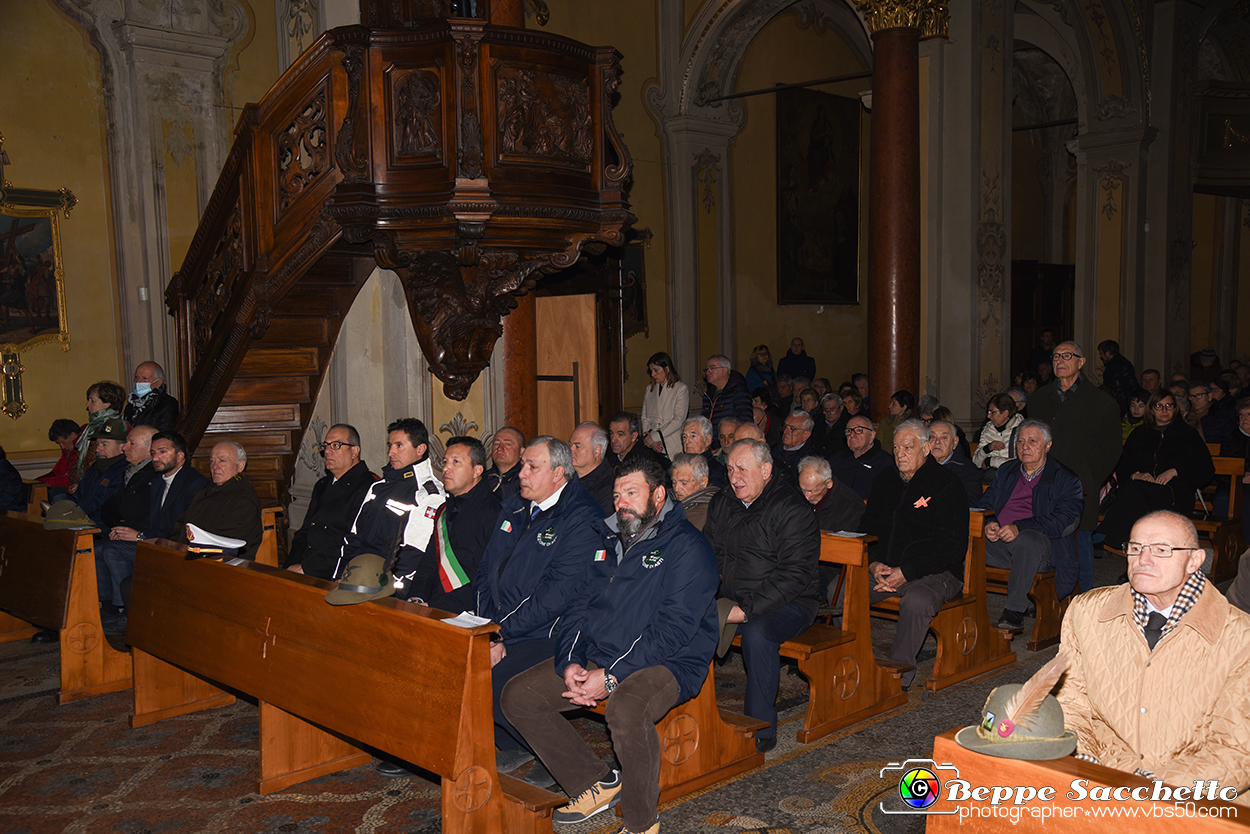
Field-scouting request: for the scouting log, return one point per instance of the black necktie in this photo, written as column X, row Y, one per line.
column 1154, row 628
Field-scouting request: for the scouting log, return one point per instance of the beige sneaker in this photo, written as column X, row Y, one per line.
column 600, row 796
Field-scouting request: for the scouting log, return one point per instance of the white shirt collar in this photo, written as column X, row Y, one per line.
column 550, row 500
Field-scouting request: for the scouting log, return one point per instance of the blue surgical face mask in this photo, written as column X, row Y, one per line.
column 142, row 389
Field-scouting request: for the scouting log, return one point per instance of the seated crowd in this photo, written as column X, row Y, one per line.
column 619, row 560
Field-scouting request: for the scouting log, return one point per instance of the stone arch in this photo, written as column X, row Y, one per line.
column 695, row 69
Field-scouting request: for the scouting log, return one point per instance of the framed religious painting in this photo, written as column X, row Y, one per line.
column 818, row 188
column 32, row 280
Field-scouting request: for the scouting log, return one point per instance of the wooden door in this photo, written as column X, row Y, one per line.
column 568, row 363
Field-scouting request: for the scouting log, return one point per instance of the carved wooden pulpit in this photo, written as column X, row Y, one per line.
column 467, row 154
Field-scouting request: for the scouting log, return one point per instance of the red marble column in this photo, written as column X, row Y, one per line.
column 519, row 351
column 894, row 219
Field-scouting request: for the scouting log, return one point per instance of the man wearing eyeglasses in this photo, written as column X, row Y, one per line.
column 726, row 394
column 1159, row 683
column 796, row 444
column 863, row 459
column 1085, row 424
column 335, row 501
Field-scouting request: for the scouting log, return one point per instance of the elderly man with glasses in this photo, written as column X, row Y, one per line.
column 332, row 509
column 1159, row 681
column 1085, row 424
column 727, row 394
column 863, row 459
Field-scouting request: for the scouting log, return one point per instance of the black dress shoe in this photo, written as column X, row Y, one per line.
column 507, row 761
column 763, row 745
column 391, row 769
column 45, row 635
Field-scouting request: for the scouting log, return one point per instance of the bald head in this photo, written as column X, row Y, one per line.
column 748, row 431
column 227, row 461
column 138, row 445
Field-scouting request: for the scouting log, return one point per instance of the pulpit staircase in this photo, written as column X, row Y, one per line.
column 466, row 155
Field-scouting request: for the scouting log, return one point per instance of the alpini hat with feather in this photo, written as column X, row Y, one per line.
column 1023, row 721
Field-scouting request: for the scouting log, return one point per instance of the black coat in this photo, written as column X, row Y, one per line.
column 859, row 473
column 318, row 544
column 471, row 518
column 639, row 451
column 599, row 483
column 1177, row 447
column 11, row 488
column 158, row 410
column 833, row 437
column 968, row 474
column 786, row 463
column 130, row 505
column 716, row 474
column 795, row 366
column 506, row 485
column 840, row 509
column 231, row 509
column 921, row 525
column 1120, row 376
column 163, row 518
column 768, row 552
column 734, row 400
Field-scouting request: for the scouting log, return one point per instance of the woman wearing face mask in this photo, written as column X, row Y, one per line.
column 1163, row 462
column 149, row 403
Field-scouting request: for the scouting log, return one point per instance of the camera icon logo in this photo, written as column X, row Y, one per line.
column 919, row 786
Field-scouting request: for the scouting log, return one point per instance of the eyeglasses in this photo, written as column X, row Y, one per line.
column 711, row 368
column 1197, row 395
column 788, row 427
column 1067, row 355
column 333, row 444
column 1163, row 406
column 1158, row 551
column 857, row 430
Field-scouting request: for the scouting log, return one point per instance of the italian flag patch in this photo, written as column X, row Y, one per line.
column 506, row 526
column 600, row 555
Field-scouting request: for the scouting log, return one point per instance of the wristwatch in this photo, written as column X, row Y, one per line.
column 139, row 536
column 608, row 684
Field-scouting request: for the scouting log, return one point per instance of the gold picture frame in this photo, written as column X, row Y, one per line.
column 32, row 276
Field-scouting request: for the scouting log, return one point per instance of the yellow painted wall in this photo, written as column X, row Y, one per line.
column 1243, row 285
column 52, row 116
column 631, row 28
column 835, row 338
column 1202, row 268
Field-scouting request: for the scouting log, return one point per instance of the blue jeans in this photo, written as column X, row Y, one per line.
column 114, row 563
column 762, row 636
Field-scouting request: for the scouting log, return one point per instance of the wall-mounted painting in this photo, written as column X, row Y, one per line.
column 818, row 188
column 32, row 282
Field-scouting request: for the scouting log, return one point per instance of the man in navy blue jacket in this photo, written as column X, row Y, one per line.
column 544, row 539
column 1037, row 502
column 640, row 634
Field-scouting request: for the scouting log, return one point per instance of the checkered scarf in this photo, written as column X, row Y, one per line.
column 1189, row 593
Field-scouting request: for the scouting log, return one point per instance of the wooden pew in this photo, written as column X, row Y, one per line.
column 967, row 644
column 1071, row 816
column 1045, row 597
column 329, row 678
column 47, row 579
column 701, row 744
column 846, row 683
column 1225, row 534
column 36, row 494
column 272, row 550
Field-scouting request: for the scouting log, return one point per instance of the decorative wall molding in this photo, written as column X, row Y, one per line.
column 707, row 172
column 1111, row 179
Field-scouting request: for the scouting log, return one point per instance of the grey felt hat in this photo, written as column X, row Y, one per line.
column 364, row 579
column 1042, row 737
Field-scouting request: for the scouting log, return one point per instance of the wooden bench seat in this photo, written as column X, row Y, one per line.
column 1049, row 609
column 329, row 679
column 846, row 682
column 701, row 744
column 1225, row 534
column 36, row 494
column 1066, row 812
column 48, row 579
column 967, row 645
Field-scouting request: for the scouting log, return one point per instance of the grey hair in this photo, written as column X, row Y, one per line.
column 1013, row 391
column 558, row 453
column 697, row 464
column 916, row 425
column 734, row 420
column 704, row 424
column 721, row 360
column 948, row 424
column 158, row 373
column 823, row 470
column 801, row 382
column 808, row 422
column 758, row 448
column 598, row 437
column 1040, row 426
column 1076, row 347
column 240, row 454
column 928, row 404
column 832, row 396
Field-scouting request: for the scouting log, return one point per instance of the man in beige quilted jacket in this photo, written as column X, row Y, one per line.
column 1160, row 677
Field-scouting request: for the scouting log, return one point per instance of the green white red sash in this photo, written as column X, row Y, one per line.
column 450, row 572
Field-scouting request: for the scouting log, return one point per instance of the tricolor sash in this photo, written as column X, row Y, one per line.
column 450, row 572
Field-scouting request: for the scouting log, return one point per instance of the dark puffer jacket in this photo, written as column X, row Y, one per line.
column 921, row 525
column 768, row 552
column 657, row 607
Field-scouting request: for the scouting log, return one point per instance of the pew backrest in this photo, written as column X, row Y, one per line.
column 36, row 566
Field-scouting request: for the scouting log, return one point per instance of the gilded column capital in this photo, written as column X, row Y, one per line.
column 931, row 17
